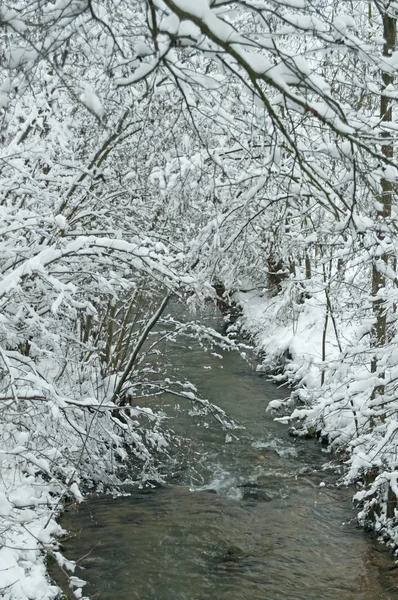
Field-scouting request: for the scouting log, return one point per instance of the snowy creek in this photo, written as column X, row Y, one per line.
column 258, row 517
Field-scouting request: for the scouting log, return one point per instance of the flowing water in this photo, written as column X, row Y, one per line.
column 258, row 517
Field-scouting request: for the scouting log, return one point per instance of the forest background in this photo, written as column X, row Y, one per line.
column 171, row 148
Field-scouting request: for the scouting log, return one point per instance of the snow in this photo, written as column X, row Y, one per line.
column 155, row 158
column 26, row 534
column 140, row 73
column 92, row 102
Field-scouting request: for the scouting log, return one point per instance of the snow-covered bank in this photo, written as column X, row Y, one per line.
column 49, row 454
column 29, row 504
column 330, row 392
column 28, row 526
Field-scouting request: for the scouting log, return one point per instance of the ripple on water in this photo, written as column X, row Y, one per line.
column 174, row 544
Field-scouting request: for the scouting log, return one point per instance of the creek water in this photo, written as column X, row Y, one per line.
column 258, row 517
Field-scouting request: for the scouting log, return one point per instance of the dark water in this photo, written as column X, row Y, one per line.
column 258, row 517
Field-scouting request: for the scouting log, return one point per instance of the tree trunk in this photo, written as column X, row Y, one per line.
column 379, row 333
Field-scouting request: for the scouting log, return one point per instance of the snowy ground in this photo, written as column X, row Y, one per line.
column 289, row 333
column 29, row 503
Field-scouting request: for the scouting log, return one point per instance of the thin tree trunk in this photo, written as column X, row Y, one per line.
column 308, row 271
column 379, row 333
column 147, row 329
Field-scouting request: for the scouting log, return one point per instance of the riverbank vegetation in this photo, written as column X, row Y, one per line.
column 175, row 148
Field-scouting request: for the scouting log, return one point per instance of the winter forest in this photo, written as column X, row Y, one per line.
column 241, row 153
